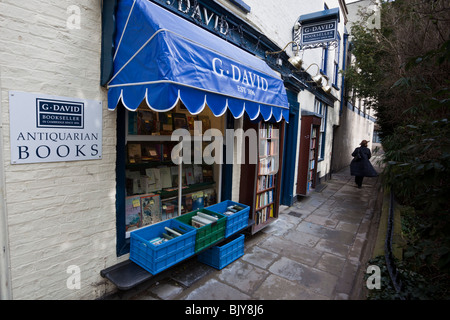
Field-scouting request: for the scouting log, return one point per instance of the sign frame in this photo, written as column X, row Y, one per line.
column 321, row 29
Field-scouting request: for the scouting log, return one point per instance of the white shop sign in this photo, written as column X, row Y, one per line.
column 46, row 128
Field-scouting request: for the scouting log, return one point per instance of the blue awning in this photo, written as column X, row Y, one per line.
column 163, row 59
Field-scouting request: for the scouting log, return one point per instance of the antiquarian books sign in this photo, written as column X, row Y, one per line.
column 47, row 128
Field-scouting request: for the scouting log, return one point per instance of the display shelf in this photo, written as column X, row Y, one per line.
column 264, row 194
column 265, row 190
column 262, row 225
column 308, row 156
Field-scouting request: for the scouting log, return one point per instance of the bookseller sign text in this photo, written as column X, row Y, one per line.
column 48, row 128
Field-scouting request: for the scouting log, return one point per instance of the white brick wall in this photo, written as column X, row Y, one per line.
column 59, row 214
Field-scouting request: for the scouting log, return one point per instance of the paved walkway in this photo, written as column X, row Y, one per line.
column 313, row 251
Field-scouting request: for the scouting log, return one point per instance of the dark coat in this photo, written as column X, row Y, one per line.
column 362, row 167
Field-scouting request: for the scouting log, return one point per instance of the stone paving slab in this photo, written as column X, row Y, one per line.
column 215, row 290
column 278, row 288
column 316, row 280
column 243, row 276
column 291, row 250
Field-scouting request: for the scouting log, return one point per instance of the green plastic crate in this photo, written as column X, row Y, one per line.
column 209, row 234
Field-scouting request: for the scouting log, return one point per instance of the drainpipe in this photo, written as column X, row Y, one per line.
column 5, row 277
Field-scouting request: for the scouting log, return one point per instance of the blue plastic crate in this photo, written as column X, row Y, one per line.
column 236, row 221
column 156, row 258
column 222, row 255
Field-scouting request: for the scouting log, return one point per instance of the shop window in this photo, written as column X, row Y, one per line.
column 152, row 181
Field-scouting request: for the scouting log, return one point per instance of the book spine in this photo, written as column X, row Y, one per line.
column 207, row 216
column 172, row 231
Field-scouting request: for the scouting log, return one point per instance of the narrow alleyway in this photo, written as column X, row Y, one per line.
column 317, row 249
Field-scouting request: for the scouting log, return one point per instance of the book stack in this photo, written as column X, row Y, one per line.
column 264, row 199
column 265, row 182
column 264, row 214
column 268, row 131
column 202, row 219
column 232, row 210
column 171, row 233
column 267, row 148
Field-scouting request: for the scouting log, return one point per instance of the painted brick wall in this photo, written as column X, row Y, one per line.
column 63, row 213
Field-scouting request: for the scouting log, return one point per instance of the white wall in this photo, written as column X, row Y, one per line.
column 349, row 135
column 63, row 213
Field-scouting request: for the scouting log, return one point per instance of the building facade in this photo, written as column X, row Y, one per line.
column 64, row 194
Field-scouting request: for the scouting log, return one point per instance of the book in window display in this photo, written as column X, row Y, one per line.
column 207, row 174
column 209, row 197
column 191, row 122
column 134, row 153
column 132, row 123
column 186, row 202
column 180, row 121
column 150, row 209
column 174, row 176
column 167, row 151
column 133, row 182
column 151, row 152
column 166, row 177
column 133, row 215
column 147, row 122
column 206, row 123
column 197, row 200
column 169, row 208
column 166, row 123
column 189, row 175
column 198, row 173
column 154, row 179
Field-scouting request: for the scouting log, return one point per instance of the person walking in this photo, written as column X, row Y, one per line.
column 360, row 166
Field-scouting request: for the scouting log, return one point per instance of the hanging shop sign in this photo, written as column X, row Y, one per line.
column 319, row 32
column 317, row 29
column 47, row 128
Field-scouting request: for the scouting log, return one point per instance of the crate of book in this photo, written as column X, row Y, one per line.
column 162, row 245
column 222, row 255
column 210, row 226
column 237, row 215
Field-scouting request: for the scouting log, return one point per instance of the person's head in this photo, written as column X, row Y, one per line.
column 364, row 143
